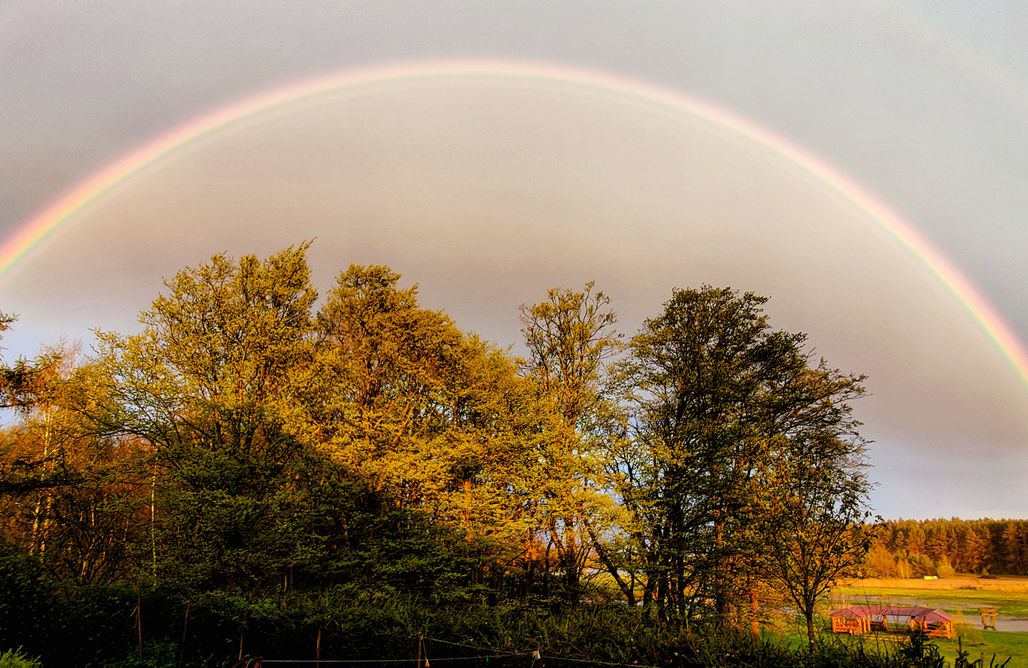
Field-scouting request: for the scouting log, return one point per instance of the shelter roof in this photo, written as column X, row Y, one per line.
column 905, row 611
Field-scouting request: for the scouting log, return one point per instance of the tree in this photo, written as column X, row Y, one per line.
column 386, row 368
column 570, row 337
column 743, row 440
column 880, row 561
column 973, row 550
column 815, row 494
column 816, row 511
column 39, row 443
column 1012, row 547
column 78, row 501
column 435, row 419
column 8, row 376
column 210, row 384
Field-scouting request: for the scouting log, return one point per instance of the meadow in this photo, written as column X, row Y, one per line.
column 962, row 597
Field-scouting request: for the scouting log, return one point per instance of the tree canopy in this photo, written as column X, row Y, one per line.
column 252, row 448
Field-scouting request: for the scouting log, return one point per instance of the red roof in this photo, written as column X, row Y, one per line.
column 904, row 611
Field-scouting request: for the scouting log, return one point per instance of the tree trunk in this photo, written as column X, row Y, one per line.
column 185, row 636
column 809, row 615
column 754, row 612
column 627, row 588
column 139, row 623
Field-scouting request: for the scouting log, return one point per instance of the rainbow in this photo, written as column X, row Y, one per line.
column 192, row 134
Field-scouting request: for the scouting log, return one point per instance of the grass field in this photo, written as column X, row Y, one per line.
column 961, row 597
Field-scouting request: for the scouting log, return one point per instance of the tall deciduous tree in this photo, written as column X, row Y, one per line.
column 570, row 338
column 84, row 520
column 386, row 364
column 435, row 418
column 815, row 491
column 719, row 396
column 209, row 382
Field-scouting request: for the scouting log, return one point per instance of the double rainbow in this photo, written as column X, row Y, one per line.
column 30, row 236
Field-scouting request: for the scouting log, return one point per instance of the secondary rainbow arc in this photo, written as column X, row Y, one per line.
column 30, row 236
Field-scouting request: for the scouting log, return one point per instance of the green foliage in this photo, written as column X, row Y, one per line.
column 209, row 384
column 16, row 658
column 570, row 339
column 435, row 420
column 747, row 457
column 920, row 652
column 247, row 475
column 154, row 655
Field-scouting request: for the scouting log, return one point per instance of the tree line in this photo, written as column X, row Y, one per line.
column 942, row 547
column 253, row 456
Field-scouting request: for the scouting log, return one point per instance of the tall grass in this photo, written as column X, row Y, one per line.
column 16, row 658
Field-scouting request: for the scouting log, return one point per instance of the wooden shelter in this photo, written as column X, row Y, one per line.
column 860, row 619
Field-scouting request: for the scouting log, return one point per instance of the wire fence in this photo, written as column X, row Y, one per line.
column 424, row 659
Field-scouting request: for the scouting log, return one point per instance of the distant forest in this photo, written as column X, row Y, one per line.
column 260, row 471
column 912, row 548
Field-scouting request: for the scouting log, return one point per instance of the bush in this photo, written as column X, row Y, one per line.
column 27, row 606
column 944, row 569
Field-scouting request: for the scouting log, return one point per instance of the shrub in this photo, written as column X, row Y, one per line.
column 944, row 569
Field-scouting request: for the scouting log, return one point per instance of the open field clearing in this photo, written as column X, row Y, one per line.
column 962, row 597
column 1008, row 584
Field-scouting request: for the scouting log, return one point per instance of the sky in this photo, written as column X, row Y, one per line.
column 862, row 164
